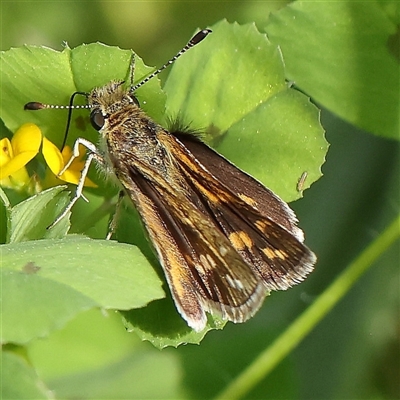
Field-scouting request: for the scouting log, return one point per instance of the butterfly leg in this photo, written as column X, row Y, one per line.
column 92, row 154
column 114, row 221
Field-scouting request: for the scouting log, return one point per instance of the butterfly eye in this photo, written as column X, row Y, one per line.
column 97, row 119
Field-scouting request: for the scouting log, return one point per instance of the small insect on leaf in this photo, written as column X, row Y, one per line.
column 301, row 181
column 223, row 239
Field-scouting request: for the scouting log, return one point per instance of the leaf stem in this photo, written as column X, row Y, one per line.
column 289, row 339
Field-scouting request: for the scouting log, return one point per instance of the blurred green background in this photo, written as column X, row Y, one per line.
column 353, row 354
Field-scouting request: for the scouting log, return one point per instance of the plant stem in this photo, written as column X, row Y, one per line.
column 4, row 199
column 289, row 339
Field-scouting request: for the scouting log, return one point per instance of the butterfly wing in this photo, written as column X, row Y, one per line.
column 260, row 226
column 203, row 270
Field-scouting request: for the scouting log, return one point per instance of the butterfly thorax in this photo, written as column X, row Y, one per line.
column 129, row 137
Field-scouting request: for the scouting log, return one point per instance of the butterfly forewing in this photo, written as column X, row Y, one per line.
column 243, row 185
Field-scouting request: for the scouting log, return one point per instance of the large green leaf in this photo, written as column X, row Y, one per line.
column 46, row 283
column 345, row 55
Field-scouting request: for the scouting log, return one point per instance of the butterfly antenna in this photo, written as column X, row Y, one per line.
column 34, row 106
column 197, row 38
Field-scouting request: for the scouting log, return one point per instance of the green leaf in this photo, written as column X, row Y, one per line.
column 47, row 282
column 33, row 305
column 342, row 54
column 30, row 218
column 294, row 143
column 19, row 380
column 224, row 77
column 129, row 378
column 233, row 85
column 160, row 324
column 90, row 341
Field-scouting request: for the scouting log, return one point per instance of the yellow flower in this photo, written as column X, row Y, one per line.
column 24, row 146
column 57, row 160
column 16, row 154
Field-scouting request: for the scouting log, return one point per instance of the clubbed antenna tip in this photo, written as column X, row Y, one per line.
column 34, row 105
